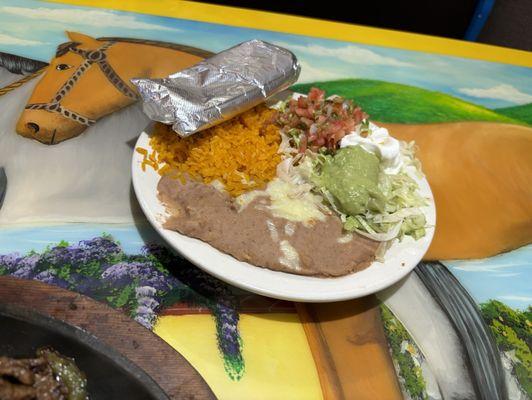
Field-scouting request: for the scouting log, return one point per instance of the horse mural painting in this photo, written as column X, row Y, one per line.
column 66, row 101
column 31, row 107
column 89, row 78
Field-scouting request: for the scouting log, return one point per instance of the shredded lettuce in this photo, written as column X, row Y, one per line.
column 402, row 214
column 295, row 135
column 280, row 105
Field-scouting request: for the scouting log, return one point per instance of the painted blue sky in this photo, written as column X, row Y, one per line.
column 506, row 277
column 24, row 239
column 34, row 29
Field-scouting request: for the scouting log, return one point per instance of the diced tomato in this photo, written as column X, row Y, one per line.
column 303, row 144
column 323, row 122
column 316, row 94
column 302, row 102
column 303, row 112
column 359, row 115
column 307, row 121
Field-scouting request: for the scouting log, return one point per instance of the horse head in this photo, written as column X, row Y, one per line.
column 90, row 78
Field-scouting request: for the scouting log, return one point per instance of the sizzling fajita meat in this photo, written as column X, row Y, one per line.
column 48, row 376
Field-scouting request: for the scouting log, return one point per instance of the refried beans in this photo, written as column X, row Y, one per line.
column 253, row 235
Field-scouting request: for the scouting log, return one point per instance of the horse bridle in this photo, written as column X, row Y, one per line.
column 91, row 57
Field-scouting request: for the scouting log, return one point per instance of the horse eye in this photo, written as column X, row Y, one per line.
column 62, row 67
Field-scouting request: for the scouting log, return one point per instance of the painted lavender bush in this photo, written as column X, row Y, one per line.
column 140, row 285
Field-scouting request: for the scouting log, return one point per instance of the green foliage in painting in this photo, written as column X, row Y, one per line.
column 63, row 271
column 512, row 330
column 519, row 321
column 138, row 284
column 124, row 298
column 409, row 372
column 522, row 113
column 92, row 269
column 394, row 102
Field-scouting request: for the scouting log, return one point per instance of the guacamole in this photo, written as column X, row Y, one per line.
column 352, row 177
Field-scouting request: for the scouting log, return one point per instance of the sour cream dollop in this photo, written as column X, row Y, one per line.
column 380, row 143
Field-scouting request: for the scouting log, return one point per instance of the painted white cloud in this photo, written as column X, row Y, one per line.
column 15, row 41
column 310, row 73
column 499, row 92
column 485, row 265
column 507, row 275
column 350, row 53
column 92, row 18
column 524, row 299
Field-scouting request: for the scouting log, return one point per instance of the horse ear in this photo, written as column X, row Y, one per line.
column 82, row 38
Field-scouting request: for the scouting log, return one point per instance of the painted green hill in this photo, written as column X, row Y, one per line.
column 393, row 102
column 522, row 113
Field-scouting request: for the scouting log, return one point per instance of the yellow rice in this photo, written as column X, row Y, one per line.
column 240, row 153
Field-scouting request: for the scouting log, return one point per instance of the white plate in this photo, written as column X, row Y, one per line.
column 399, row 260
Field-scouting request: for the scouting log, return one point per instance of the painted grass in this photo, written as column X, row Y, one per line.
column 393, row 102
column 522, row 113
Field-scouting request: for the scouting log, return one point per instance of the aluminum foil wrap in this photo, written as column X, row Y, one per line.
column 220, row 87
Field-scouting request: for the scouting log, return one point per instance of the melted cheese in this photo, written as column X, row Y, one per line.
column 290, row 257
column 287, row 203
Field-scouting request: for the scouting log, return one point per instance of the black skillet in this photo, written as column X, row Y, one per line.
column 34, row 315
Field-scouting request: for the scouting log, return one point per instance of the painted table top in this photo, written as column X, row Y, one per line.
column 458, row 327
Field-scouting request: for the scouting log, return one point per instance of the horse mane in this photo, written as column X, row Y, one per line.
column 20, row 65
column 174, row 46
column 63, row 48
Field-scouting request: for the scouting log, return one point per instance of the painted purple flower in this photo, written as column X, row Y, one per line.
column 10, row 261
column 146, row 320
column 97, row 249
column 143, row 310
column 26, row 267
column 124, row 272
column 227, row 327
column 145, row 291
column 159, row 281
column 147, row 306
column 147, row 303
column 50, row 278
column 102, row 246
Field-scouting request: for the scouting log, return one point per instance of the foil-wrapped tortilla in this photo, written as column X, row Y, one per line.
column 220, row 87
